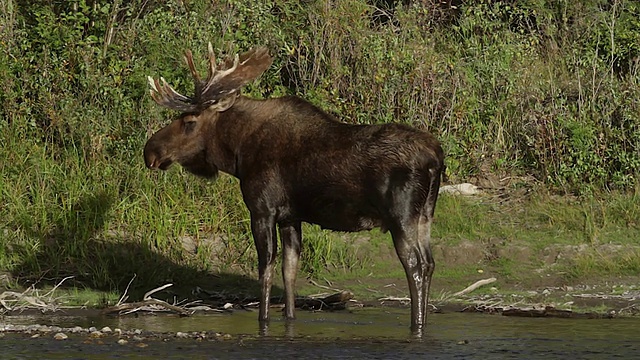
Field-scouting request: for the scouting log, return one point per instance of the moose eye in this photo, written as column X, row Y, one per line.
column 189, row 126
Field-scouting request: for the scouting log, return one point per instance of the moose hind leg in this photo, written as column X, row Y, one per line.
column 424, row 234
column 291, row 241
column 418, row 266
column 429, row 264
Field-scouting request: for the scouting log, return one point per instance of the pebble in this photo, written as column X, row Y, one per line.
column 181, row 335
column 76, row 329
column 60, row 336
column 122, row 341
column 106, row 329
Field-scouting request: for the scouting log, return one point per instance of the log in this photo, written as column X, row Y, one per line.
column 335, row 301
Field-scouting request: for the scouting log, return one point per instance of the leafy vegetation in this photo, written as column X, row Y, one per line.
column 548, row 90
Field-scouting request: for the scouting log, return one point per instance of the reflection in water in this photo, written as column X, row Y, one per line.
column 362, row 333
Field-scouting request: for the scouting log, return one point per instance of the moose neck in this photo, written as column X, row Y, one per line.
column 229, row 132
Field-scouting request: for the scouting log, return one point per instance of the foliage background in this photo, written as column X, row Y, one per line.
column 547, row 90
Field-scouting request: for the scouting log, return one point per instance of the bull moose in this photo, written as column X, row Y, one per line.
column 296, row 163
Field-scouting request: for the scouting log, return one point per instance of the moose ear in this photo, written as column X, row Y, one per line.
column 225, row 103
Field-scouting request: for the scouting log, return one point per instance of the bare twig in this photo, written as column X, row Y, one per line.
column 393, row 298
column 124, row 296
column 50, row 293
column 323, row 286
column 474, row 286
column 146, row 305
column 147, row 296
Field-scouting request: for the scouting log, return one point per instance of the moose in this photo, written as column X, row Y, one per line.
column 296, row 163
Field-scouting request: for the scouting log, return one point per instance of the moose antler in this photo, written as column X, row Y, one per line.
column 234, row 73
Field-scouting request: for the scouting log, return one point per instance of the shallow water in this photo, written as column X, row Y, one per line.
column 363, row 333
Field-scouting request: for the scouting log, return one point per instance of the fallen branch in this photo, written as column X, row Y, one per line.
column 30, row 298
column 393, row 298
column 474, row 286
column 147, row 304
column 124, row 296
column 12, row 296
column 322, row 286
column 150, row 304
column 333, row 302
column 147, row 295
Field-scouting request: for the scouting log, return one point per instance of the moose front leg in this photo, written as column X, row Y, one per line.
column 264, row 236
column 291, row 235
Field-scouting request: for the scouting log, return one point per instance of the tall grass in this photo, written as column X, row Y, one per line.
column 543, row 90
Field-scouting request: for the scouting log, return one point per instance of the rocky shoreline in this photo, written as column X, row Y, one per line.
column 138, row 337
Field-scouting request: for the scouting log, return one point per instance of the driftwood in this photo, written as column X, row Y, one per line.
column 30, row 299
column 474, row 286
column 146, row 305
column 547, row 311
column 335, row 301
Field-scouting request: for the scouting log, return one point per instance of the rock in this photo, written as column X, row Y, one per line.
column 460, row 189
column 122, row 342
column 182, row 335
column 60, row 336
column 42, row 328
column 106, row 329
column 76, row 329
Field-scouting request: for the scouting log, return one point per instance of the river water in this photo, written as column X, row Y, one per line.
column 378, row 333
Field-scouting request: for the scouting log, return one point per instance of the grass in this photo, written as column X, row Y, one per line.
column 62, row 218
column 507, row 98
column 527, row 243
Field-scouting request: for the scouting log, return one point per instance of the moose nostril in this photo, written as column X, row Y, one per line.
column 151, row 161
